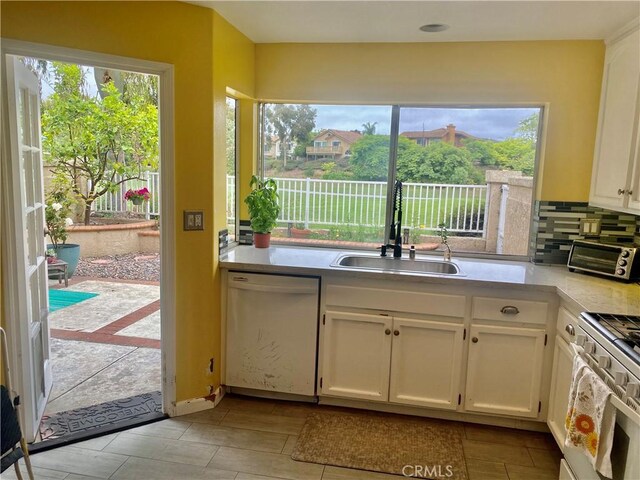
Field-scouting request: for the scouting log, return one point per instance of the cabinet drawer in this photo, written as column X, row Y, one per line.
column 396, row 300
column 508, row 310
column 567, row 324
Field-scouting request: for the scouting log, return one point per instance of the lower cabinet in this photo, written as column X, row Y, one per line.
column 426, row 363
column 505, row 370
column 355, row 357
column 385, row 358
column 560, row 385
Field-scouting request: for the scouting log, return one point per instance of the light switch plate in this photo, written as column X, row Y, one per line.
column 193, row 220
column 590, row 227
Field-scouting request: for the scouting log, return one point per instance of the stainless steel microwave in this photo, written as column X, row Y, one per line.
column 612, row 260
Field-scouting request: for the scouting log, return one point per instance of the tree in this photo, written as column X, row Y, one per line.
column 290, row 123
column 370, row 157
column 528, row 128
column 444, row 163
column 102, row 142
column 516, row 154
column 369, row 128
column 482, row 152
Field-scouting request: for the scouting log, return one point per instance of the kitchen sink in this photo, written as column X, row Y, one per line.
column 390, row 264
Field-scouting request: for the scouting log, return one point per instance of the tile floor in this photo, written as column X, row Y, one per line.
column 251, row 439
column 112, row 339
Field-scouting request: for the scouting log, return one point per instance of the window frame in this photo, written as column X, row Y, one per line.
column 236, row 166
column 393, row 148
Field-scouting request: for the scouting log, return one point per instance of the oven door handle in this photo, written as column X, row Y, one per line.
column 618, row 404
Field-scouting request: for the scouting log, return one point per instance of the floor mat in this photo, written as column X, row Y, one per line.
column 65, row 298
column 384, row 443
column 72, row 422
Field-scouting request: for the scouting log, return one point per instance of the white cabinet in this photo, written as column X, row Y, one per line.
column 426, row 361
column 560, row 384
column 401, row 360
column 355, row 357
column 505, row 370
column 615, row 181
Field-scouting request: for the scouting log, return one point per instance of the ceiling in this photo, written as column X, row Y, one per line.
column 398, row 21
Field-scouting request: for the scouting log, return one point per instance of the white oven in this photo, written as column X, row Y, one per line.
column 621, row 377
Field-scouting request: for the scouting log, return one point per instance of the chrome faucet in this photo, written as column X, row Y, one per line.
column 395, row 232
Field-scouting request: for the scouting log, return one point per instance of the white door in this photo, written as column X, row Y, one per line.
column 426, row 361
column 23, row 216
column 355, row 356
column 504, row 370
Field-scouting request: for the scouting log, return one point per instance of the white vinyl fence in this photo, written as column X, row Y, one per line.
column 114, row 202
column 317, row 203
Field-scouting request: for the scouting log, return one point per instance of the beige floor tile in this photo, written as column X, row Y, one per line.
column 73, row 476
column 235, row 437
column 249, row 476
column 39, row 473
column 483, row 470
column 176, row 451
column 508, row 436
column 255, row 405
column 80, row 461
column 518, row 472
column 97, row 443
column 495, row 452
column 265, row 422
column 212, row 416
column 291, row 442
column 339, row 473
column 145, row 469
column 295, row 409
column 169, row 428
column 543, row 458
column 268, row 464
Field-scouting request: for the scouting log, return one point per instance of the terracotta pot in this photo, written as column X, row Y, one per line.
column 300, row 232
column 261, row 240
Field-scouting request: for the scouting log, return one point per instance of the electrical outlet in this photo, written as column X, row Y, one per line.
column 193, row 220
column 590, row 227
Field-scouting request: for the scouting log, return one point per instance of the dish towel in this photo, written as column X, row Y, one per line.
column 591, row 418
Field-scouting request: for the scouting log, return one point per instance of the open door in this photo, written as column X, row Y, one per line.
column 24, row 259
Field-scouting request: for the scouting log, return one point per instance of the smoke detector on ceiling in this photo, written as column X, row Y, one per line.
column 434, row 27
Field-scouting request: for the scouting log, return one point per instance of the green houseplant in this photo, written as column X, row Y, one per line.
column 263, row 209
column 57, row 211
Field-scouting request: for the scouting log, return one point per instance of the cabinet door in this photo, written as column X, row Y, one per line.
column 426, row 361
column 560, row 384
column 616, row 124
column 504, row 370
column 355, row 356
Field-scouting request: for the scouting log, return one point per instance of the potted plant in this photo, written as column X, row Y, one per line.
column 137, row 196
column 263, row 209
column 299, row 231
column 56, row 213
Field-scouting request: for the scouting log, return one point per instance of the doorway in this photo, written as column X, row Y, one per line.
column 26, row 295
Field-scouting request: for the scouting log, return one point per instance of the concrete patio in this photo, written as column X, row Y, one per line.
column 107, row 347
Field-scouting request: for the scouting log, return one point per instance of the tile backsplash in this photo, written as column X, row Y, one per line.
column 557, row 224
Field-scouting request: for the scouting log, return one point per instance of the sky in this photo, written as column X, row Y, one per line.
column 489, row 123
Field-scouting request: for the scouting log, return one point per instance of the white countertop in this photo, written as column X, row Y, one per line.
column 582, row 292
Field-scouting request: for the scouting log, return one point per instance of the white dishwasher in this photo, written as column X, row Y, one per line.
column 272, row 328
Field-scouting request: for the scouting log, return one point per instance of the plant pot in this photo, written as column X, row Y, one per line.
column 137, row 201
column 300, row 232
column 261, row 240
column 70, row 253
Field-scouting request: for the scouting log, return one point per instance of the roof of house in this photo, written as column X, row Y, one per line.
column 349, row 136
column 437, row 133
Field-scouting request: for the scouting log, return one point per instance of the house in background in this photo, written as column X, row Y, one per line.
column 334, row 144
column 273, row 148
column 448, row 135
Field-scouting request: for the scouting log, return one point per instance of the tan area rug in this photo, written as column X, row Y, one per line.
column 415, row 447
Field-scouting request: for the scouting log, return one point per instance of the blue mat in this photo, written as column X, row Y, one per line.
column 65, row 298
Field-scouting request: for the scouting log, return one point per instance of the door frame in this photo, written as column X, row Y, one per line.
column 10, row 278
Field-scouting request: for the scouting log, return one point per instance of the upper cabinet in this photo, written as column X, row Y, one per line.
column 615, row 181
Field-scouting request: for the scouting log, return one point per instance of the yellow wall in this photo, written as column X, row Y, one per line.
column 206, row 52
column 565, row 74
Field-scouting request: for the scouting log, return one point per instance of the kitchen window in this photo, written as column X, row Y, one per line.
column 232, row 165
column 468, row 170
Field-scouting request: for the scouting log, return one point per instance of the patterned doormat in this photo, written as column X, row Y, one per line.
column 102, row 415
column 407, row 446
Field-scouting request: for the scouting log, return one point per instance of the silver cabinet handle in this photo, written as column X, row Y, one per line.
column 570, row 330
column 509, row 310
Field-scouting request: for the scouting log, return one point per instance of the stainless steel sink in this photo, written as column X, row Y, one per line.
column 390, row 264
